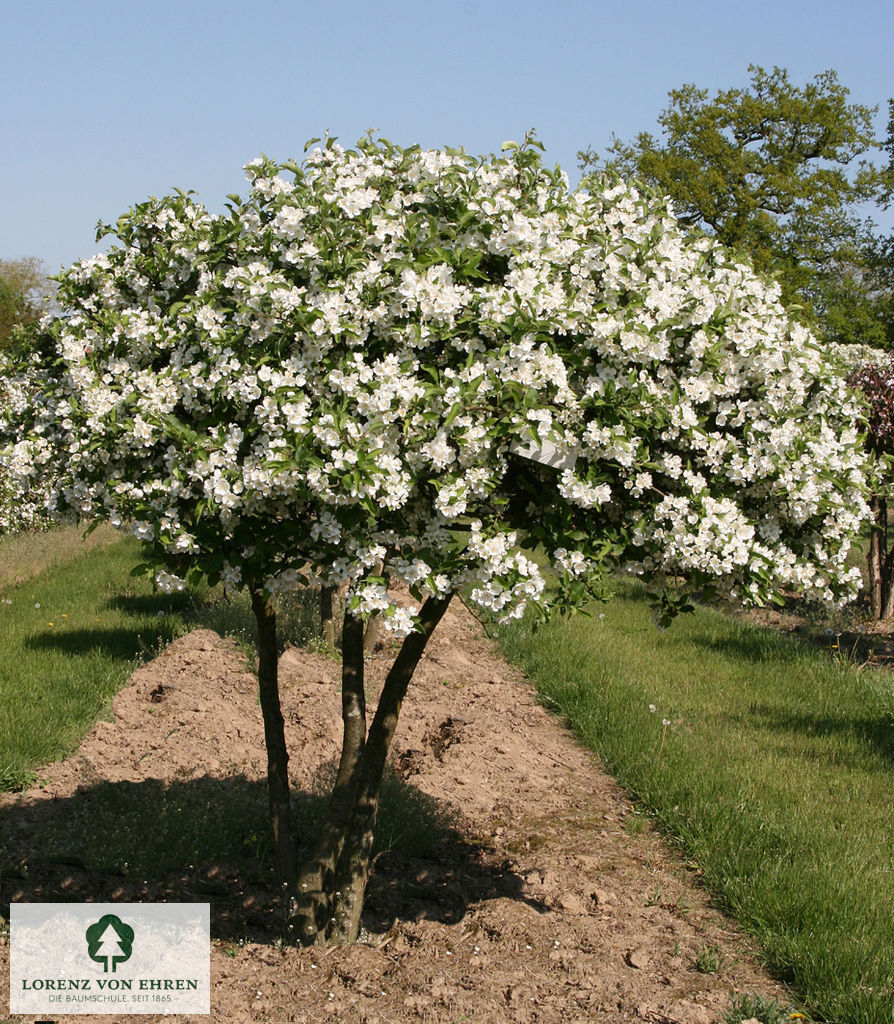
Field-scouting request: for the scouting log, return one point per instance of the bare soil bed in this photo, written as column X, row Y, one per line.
column 544, row 898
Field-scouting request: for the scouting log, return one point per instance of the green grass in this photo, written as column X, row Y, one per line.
column 24, row 555
column 76, row 624
column 297, row 619
column 69, row 639
column 750, row 1006
column 770, row 762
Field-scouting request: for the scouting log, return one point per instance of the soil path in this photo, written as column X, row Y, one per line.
column 545, row 900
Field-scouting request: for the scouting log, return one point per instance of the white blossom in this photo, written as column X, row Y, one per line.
column 347, row 377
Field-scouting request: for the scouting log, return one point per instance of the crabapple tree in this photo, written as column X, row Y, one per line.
column 26, row 483
column 874, row 379
column 398, row 371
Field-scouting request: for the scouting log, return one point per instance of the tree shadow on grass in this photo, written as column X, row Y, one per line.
column 785, row 645
column 298, row 618
column 157, row 604
column 759, row 645
column 876, row 732
column 121, row 644
column 207, row 840
column 155, row 621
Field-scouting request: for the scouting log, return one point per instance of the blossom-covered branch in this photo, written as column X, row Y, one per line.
column 330, row 378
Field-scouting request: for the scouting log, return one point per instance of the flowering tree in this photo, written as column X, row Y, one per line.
column 26, row 295
column 874, row 379
column 404, row 367
column 26, row 486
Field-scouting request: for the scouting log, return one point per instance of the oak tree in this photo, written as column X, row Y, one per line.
column 777, row 172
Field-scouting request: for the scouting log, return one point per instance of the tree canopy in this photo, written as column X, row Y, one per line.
column 25, row 295
column 878, row 276
column 398, row 368
column 777, row 172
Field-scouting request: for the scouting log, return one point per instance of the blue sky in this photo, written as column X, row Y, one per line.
column 105, row 102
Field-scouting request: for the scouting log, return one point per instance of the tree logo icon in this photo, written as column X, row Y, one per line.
column 109, row 942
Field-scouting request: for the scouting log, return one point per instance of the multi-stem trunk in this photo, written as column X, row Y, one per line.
column 275, row 740
column 331, row 885
column 886, row 560
column 880, row 563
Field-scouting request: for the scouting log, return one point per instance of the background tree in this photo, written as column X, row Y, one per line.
column 778, row 173
column 876, row 382
column 874, row 377
column 397, row 371
column 26, row 293
column 879, row 248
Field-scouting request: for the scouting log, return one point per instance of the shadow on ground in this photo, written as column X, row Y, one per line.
column 152, row 621
column 874, row 732
column 208, row 840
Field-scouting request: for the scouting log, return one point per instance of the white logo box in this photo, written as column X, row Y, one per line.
column 109, row 958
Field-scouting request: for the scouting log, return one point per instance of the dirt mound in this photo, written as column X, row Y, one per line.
column 538, row 899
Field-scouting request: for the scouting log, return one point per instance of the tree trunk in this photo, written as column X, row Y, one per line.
column 331, row 885
column 311, row 911
column 327, row 615
column 874, row 563
column 274, row 737
column 880, row 563
column 888, row 599
column 371, row 634
column 886, row 561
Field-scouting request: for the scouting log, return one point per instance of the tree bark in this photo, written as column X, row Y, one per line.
column 311, row 911
column 371, row 634
column 331, row 886
column 356, row 860
column 327, row 615
column 275, row 739
column 874, row 564
column 888, row 602
column 880, row 562
column 886, row 561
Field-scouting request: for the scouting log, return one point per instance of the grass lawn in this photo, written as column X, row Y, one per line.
column 24, row 555
column 75, row 626
column 69, row 639
column 771, row 763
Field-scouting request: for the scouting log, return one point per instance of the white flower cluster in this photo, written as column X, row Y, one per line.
column 167, row 583
column 27, row 475
column 356, row 374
